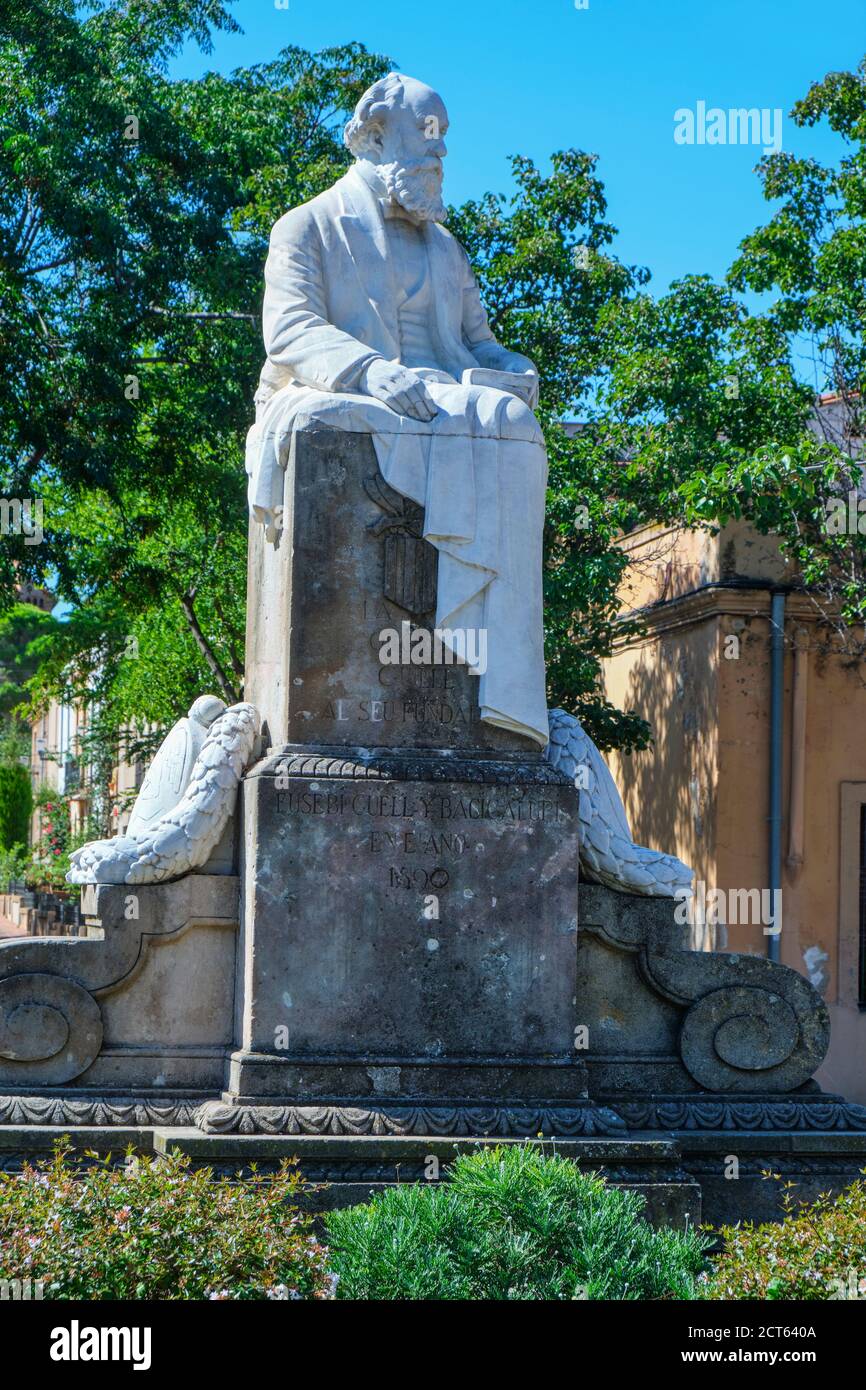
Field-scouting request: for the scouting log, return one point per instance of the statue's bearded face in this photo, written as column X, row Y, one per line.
column 408, row 146
column 416, row 187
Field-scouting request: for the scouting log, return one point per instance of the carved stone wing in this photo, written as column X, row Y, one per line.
column 608, row 854
column 185, row 836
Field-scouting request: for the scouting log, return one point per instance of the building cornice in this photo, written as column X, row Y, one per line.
column 737, row 599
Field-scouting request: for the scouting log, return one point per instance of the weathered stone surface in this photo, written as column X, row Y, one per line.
column 352, row 1169
column 673, row 1171
column 311, row 1149
column 50, row 1029
column 145, row 998
column 40, row 1140
column 405, row 937
column 318, row 600
column 687, row 1019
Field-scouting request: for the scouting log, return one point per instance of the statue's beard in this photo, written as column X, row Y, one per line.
column 417, row 188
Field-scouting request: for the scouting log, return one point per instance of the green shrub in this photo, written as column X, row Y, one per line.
column 156, row 1229
column 13, row 865
column 509, row 1223
column 817, row 1252
column 16, row 804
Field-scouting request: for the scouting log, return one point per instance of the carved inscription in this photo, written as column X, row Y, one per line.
column 509, row 808
column 419, row 837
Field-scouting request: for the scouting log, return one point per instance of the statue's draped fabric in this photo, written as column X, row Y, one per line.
column 345, row 283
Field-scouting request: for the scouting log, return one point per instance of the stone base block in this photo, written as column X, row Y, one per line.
column 259, row 1079
column 409, row 930
column 713, row 1176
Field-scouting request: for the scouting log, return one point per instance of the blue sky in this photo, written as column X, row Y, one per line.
column 522, row 78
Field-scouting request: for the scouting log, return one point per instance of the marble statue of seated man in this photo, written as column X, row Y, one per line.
column 373, row 322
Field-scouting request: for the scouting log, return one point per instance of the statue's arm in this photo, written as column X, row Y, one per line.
column 297, row 334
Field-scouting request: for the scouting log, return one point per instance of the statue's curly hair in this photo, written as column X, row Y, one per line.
column 376, row 102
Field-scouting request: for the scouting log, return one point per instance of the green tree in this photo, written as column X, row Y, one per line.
column 650, row 380
column 20, row 625
column 16, row 805
column 134, row 212
column 715, row 415
column 811, row 258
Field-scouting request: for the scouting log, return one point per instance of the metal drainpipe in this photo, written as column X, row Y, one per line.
column 777, row 685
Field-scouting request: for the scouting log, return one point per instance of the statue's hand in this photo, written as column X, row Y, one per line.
column 399, row 388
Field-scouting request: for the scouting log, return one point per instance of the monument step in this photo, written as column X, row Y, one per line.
column 348, row 1169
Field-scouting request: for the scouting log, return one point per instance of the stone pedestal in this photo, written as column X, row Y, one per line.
column 409, row 919
column 350, row 563
column 416, row 968
column 410, row 930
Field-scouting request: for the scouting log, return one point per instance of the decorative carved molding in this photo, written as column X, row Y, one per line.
column 397, row 765
column 215, row 1117
column 409, row 562
column 50, row 1029
column 751, row 1025
column 773, row 1164
column 735, row 1030
column 122, row 1110
column 769, row 1113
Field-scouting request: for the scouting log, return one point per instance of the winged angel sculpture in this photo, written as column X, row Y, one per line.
column 185, row 803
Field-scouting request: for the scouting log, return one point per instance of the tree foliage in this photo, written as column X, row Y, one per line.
column 134, row 215
column 134, row 212
column 16, row 805
column 811, row 258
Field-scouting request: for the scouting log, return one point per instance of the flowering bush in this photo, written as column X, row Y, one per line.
column 817, row 1252
column 49, row 857
column 157, row 1229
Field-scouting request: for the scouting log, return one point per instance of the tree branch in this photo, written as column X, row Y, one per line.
column 226, row 689
column 186, row 314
